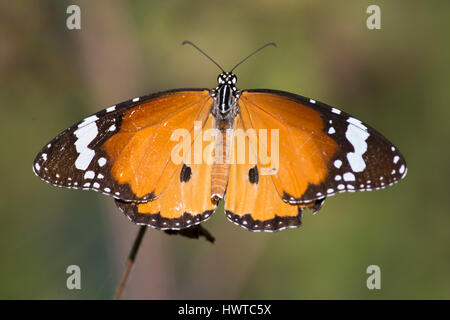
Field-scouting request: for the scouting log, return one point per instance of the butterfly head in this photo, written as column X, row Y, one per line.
column 225, row 94
column 227, row 78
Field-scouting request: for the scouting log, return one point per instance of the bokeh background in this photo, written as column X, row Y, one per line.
column 396, row 79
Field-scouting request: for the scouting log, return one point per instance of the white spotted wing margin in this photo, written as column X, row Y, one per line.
column 365, row 160
column 75, row 158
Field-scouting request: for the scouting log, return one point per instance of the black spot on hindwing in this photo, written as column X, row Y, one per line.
column 185, row 174
column 253, row 175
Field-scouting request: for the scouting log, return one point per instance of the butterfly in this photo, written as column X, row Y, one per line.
column 169, row 158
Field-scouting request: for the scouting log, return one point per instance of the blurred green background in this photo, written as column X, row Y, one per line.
column 396, row 79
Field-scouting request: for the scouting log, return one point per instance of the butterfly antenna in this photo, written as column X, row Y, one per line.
column 251, row 54
column 188, row 42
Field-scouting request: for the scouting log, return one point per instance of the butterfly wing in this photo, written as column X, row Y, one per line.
column 185, row 201
column 124, row 151
column 251, row 199
column 322, row 150
column 127, row 151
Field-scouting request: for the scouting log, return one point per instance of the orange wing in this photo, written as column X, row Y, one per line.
column 129, row 150
column 125, row 150
column 322, row 150
column 252, row 200
column 141, row 151
column 184, row 201
column 304, row 150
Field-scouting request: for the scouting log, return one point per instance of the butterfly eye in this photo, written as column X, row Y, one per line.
column 234, row 80
column 220, row 79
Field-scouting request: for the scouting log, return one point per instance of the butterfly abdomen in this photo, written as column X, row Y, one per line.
column 221, row 166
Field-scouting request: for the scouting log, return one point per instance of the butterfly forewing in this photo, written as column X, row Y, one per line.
column 323, row 150
column 95, row 153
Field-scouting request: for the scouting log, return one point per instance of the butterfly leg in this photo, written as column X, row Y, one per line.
column 193, row 232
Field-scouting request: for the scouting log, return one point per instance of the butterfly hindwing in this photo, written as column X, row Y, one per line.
column 183, row 202
column 252, row 200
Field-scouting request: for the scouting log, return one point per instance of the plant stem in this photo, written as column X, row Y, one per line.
column 130, row 261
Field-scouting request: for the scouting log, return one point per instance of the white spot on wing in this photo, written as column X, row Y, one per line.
column 87, row 121
column 357, row 138
column 44, row 156
column 112, row 128
column 37, row 166
column 101, row 162
column 338, row 163
column 312, row 100
column 331, row 130
column 136, row 99
column 402, row 169
column 356, row 122
column 348, row 176
column 85, row 135
column 396, row 158
column 334, row 110
column 89, row 174
column 110, row 109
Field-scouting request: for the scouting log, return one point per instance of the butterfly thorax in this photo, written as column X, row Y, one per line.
column 225, row 97
column 224, row 110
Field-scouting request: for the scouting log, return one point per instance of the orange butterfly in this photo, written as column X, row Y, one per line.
column 168, row 158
